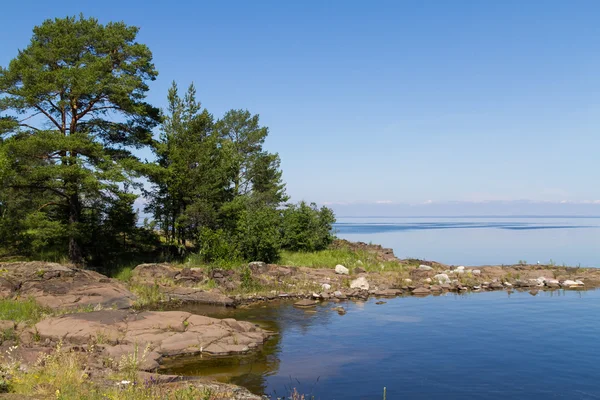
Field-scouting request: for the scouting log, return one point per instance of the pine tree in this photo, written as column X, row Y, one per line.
column 73, row 104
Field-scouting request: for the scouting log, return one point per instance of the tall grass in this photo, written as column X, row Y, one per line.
column 331, row 257
column 62, row 375
column 23, row 310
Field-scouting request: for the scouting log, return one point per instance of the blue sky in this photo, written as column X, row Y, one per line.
column 377, row 102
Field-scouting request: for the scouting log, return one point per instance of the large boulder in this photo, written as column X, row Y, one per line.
column 60, row 286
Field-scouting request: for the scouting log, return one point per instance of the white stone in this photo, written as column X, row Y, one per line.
column 570, row 283
column 476, row 272
column 337, row 293
column 407, row 280
column 579, row 282
column 360, row 283
column 326, row 286
column 428, row 280
column 507, row 284
column 460, row 268
column 442, row 279
column 340, row 269
column 425, row 268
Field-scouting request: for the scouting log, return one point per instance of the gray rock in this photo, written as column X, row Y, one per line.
column 425, row 268
column 476, row 272
column 340, row 269
column 326, row 286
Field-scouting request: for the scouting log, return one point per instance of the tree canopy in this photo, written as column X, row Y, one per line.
column 73, row 112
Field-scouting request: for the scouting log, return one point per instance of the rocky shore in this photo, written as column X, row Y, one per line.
column 91, row 313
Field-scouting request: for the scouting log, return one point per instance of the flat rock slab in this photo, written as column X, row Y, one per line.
column 305, row 303
column 187, row 294
column 59, row 286
column 166, row 333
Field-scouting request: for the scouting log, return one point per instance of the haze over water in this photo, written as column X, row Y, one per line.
column 482, row 240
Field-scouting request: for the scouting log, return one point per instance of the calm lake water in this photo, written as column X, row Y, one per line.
column 486, row 345
column 482, row 240
column 491, row 345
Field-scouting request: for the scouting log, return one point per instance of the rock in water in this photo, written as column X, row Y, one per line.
column 305, row 303
column 421, row 291
column 340, row 269
column 360, row 283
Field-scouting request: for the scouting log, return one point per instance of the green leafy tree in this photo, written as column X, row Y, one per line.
column 306, row 227
column 73, row 104
column 258, row 234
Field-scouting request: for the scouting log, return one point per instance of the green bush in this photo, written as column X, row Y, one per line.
column 258, row 235
column 306, row 227
column 215, row 245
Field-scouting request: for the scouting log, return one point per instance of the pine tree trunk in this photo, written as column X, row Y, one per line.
column 75, row 254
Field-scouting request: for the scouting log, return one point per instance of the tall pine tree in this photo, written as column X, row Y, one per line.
column 73, row 108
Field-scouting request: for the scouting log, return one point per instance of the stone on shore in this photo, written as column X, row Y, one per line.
column 421, row 291
column 442, row 279
column 360, row 283
column 341, row 270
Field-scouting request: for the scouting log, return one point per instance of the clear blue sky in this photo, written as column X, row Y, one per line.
column 401, row 101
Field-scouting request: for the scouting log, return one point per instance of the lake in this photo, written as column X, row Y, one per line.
column 474, row 241
column 491, row 345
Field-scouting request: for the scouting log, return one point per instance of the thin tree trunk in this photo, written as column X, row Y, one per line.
column 75, row 253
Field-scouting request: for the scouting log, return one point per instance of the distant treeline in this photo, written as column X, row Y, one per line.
column 72, row 112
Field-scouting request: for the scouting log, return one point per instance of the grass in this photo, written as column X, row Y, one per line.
column 147, row 295
column 25, row 310
column 347, row 257
column 63, row 375
column 125, row 274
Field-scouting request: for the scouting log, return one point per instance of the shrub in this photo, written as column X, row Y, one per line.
column 306, row 227
column 258, row 234
column 215, row 245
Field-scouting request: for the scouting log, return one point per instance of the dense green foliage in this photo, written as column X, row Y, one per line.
column 307, row 228
column 74, row 102
column 72, row 114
